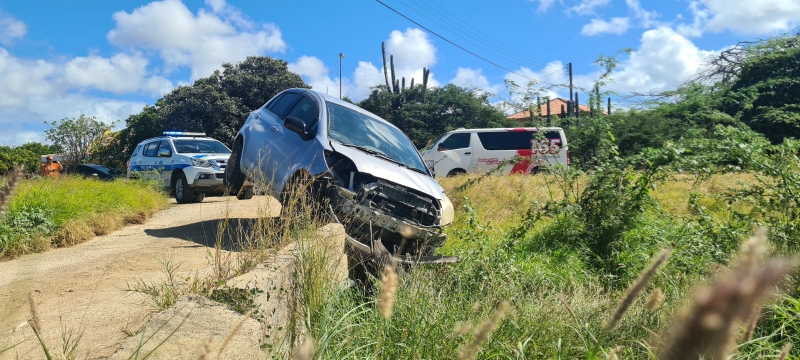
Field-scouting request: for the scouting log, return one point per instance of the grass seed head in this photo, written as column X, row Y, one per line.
column 655, row 300
column 636, row 288
column 613, row 354
column 387, row 292
column 482, row 332
column 785, row 351
column 708, row 329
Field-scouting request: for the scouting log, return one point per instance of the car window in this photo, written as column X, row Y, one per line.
column 282, row 105
column 151, row 149
column 165, row 145
column 456, row 141
column 136, row 151
column 270, row 104
column 200, row 146
column 511, row 140
column 353, row 128
column 305, row 110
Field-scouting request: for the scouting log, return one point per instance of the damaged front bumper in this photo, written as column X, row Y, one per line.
column 374, row 233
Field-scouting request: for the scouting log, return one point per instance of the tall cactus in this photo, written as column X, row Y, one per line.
column 425, row 73
column 385, row 70
column 403, row 88
column 391, row 61
column 411, row 86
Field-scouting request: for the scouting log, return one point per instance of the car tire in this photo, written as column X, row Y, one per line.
column 234, row 178
column 198, row 197
column 184, row 194
column 456, row 172
column 245, row 193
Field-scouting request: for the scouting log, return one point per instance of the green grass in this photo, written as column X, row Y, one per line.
column 62, row 212
column 560, row 299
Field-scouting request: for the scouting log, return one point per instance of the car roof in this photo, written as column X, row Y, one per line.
column 168, row 137
column 340, row 102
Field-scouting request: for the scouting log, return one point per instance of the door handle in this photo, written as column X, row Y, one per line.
column 468, row 153
column 275, row 128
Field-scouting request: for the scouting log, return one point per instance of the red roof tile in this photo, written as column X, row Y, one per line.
column 555, row 109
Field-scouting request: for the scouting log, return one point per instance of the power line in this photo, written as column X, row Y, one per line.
column 454, row 44
column 491, row 45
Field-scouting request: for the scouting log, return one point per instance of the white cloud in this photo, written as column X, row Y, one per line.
column 316, row 74
column 647, row 19
column 365, row 76
column 544, row 4
column 664, row 60
column 21, row 79
column 10, row 29
column 548, row 81
column 468, row 77
column 121, row 73
column 412, row 50
column 586, row 7
column 17, row 137
column 202, row 42
column 745, row 17
column 617, row 26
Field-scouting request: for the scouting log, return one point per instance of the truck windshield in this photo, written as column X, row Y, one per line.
column 200, row 146
column 353, row 128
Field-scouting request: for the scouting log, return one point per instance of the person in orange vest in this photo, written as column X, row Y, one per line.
column 51, row 168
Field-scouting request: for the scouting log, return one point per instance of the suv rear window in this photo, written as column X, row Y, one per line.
column 511, row 140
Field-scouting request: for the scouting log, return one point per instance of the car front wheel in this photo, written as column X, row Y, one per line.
column 184, row 193
column 234, row 178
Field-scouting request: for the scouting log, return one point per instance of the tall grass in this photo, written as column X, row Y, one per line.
column 67, row 211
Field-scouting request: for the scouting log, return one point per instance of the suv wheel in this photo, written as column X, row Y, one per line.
column 234, row 178
column 184, row 194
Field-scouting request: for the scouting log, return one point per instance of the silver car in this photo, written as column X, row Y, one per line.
column 369, row 174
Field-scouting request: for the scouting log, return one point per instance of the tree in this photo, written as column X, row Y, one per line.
column 444, row 109
column 27, row 154
column 217, row 105
column 77, row 136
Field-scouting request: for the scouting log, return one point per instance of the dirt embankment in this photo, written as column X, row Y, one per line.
column 80, row 290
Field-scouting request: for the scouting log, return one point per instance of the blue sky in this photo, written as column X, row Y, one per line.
column 110, row 58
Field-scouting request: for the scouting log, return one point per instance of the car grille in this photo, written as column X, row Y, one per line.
column 220, row 176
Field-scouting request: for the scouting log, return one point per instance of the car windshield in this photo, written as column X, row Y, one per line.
column 200, row 146
column 352, row 128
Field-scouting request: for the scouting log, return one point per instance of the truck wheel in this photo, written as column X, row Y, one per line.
column 234, row 178
column 456, row 172
column 198, row 197
column 184, row 193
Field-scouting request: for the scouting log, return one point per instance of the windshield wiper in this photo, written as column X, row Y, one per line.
column 381, row 155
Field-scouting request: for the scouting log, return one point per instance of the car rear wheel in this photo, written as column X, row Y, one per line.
column 456, row 172
column 184, row 194
column 234, row 178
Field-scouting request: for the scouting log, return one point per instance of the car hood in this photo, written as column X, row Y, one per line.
column 207, row 156
column 390, row 171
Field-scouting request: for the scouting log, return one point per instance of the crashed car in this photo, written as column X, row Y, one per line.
column 367, row 172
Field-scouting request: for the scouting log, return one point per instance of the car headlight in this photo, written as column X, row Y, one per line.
column 448, row 213
column 200, row 163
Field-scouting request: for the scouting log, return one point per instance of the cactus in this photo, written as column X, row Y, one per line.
column 411, row 86
column 425, row 73
column 403, row 88
column 391, row 61
column 385, row 70
column 397, row 86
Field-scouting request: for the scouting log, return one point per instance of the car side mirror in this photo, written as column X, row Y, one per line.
column 294, row 124
column 164, row 153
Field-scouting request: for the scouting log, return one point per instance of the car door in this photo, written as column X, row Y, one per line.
column 165, row 162
column 453, row 154
column 296, row 146
column 148, row 161
column 271, row 148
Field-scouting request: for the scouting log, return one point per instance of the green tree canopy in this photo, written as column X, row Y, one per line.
column 77, row 136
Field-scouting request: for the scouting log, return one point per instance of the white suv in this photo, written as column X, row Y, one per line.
column 190, row 164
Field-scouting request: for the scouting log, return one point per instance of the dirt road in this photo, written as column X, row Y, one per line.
column 80, row 290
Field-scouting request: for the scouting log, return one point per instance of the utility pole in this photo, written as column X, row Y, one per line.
column 570, row 86
column 341, row 56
